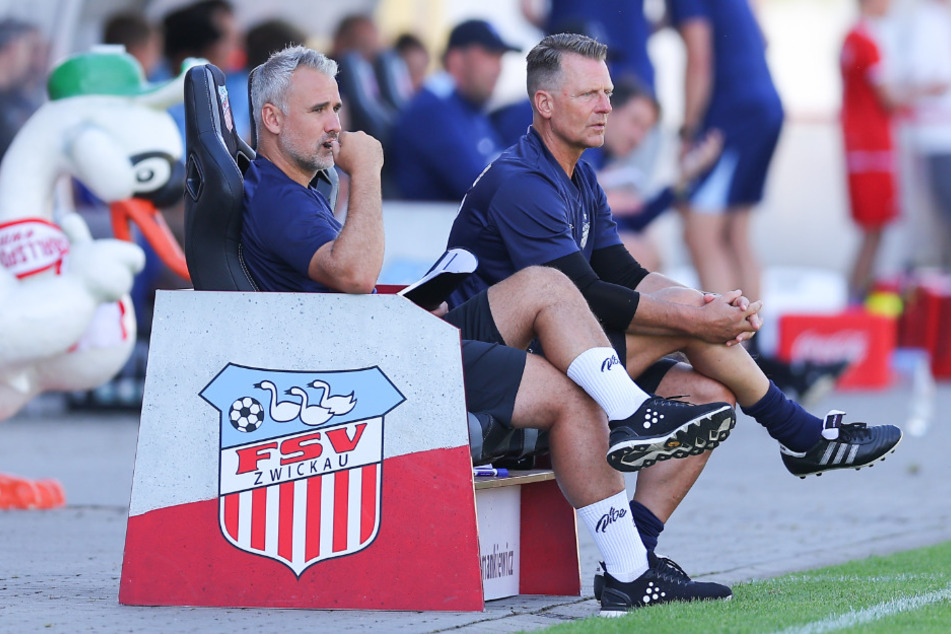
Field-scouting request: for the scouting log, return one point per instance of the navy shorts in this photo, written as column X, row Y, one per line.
column 750, row 135
column 492, row 371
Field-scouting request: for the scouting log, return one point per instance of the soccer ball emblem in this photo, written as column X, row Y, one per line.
column 246, row 414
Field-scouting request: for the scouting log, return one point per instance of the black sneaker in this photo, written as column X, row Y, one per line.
column 842, row 446
column 662, row 429
column 664, row 582
column 668, row 566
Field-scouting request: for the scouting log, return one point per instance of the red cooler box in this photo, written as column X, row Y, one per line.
column 864, row 339
column 926, row 323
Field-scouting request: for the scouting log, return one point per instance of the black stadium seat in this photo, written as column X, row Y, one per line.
column 216, row 159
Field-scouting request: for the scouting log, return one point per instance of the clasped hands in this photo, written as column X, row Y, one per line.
column 731, row 317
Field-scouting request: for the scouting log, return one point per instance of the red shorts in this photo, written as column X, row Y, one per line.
column 872, row 186
column 873, row 198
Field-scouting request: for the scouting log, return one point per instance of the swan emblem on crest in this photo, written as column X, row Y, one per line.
column 280, row 411
column 328, row 406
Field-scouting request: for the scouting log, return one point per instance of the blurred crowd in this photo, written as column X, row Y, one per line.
column 430, row 107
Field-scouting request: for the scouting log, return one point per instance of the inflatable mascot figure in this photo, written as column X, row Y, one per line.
column 66, row 320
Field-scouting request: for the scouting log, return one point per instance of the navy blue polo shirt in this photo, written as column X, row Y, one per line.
column 284, row 225
column 440, row 143
column 524, row 210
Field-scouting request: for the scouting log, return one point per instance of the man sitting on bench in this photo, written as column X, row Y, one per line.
column 292, row 242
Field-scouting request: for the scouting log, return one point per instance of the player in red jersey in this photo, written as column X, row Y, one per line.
column 867, row 107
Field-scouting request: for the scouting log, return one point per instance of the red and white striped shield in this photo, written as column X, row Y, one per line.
column 301, row 469
column 302, row 520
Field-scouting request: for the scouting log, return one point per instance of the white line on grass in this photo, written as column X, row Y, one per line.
column 873, row 613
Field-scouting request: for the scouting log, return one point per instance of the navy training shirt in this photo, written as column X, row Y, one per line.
column 524, row 210
column 440, row 143
column 739, row 52
column 621, row 24
column 284, row 225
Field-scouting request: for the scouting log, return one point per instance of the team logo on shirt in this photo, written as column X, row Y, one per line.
column 301, row 457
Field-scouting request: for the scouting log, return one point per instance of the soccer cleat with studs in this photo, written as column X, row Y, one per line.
column 662, row 429
column 842, row 446
column 664, row 582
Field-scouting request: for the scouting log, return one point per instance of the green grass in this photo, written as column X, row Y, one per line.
column 904, row 592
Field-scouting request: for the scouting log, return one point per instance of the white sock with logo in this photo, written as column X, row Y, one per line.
column 611, row 524
column 600, row 373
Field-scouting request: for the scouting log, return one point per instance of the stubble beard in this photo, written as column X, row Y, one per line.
column 310, row 157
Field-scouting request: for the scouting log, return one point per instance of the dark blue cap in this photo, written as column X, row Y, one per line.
column 478, row 32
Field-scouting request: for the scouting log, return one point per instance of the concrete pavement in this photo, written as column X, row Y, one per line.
column 746, row 518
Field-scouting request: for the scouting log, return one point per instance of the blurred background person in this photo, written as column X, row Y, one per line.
column 209, row 30
column 634, row 115
column 728, row 87
column 416, row 57
column 927, row 67
column 270, row 36
column 443, row 138
column 356, row 45
column 20, row 45
column 867, row 106
column 141, row 39
column 621, row 24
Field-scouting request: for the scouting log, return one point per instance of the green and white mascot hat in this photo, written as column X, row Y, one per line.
column 108, row 69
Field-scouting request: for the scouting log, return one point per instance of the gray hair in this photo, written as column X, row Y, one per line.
column 544, row 61
column 272, row 79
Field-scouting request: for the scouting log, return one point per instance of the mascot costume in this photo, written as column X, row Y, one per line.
column 65, row 315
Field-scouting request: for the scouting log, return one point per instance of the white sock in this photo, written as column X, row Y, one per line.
column 611, row 524
column 600, row 373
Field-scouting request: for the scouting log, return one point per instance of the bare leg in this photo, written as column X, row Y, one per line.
column 549, row 307
column 578, row 432
column 705, row 238
column 732, row 366
column 862, row 271
column 748, row 270
column 662, row 488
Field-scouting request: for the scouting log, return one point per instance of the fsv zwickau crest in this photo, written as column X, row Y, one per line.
column 301, row 460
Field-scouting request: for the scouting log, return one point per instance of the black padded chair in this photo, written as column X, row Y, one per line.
column 216, row 160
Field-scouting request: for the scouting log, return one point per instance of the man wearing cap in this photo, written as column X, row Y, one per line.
column 443, row 138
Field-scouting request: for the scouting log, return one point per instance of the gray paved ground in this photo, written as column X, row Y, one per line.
column 746, row 519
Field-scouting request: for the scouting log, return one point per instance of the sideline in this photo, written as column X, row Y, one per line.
column 874, row 613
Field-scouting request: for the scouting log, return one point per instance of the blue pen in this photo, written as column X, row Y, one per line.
column 489, row 472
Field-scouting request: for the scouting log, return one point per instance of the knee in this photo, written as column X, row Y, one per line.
column 547, row 282
column 543, row 276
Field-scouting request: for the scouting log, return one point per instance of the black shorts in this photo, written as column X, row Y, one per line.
column 492, row 371
column 474, row 320
column 492, row 374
